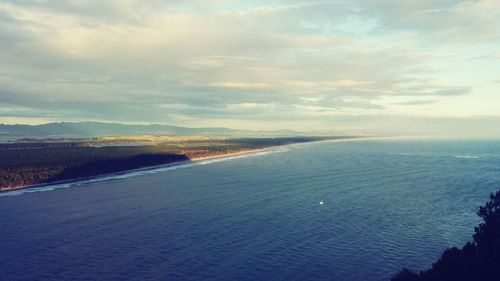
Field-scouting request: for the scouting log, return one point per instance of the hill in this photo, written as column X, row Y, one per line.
column 97, row 129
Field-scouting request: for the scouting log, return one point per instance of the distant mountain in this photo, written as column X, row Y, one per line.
column 96, row 129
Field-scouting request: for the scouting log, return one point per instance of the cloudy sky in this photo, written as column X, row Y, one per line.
column 424, row 66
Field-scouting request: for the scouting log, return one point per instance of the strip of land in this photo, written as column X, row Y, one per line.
column 29, row 162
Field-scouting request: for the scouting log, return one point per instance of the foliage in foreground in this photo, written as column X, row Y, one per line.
column 478, row 260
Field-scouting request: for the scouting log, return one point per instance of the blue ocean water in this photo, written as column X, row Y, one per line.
column 387, row 204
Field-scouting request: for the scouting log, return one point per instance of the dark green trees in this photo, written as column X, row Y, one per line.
column 476, row 261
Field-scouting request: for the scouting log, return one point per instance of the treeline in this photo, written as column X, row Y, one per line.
column 21, row 167
column 116, row 165
column 478, row 260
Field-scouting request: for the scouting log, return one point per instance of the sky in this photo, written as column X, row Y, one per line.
column 371, row 66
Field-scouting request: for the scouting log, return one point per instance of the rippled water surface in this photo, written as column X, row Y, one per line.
column 387, row 204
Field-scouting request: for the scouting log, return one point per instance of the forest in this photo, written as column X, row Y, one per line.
column 30, row 161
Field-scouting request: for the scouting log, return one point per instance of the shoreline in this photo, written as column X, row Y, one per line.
column 171, row 164
column 166, row 165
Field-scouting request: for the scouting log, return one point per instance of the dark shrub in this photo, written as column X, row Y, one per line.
column 476, row 261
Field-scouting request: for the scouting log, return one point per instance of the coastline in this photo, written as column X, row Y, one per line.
column 223, row 154
column 242, row 152
column 104, row 175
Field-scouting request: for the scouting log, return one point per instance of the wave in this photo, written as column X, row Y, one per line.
column 461, row 156
column 414, row 154
column 468, row 156
column 140, row 172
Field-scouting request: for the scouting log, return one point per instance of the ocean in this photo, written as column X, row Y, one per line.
column 386, row 204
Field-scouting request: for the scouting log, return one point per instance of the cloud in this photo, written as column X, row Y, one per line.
column 416, row 102
column 240, row 85
column 215, row 60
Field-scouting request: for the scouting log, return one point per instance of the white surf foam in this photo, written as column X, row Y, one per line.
column 468, row 157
